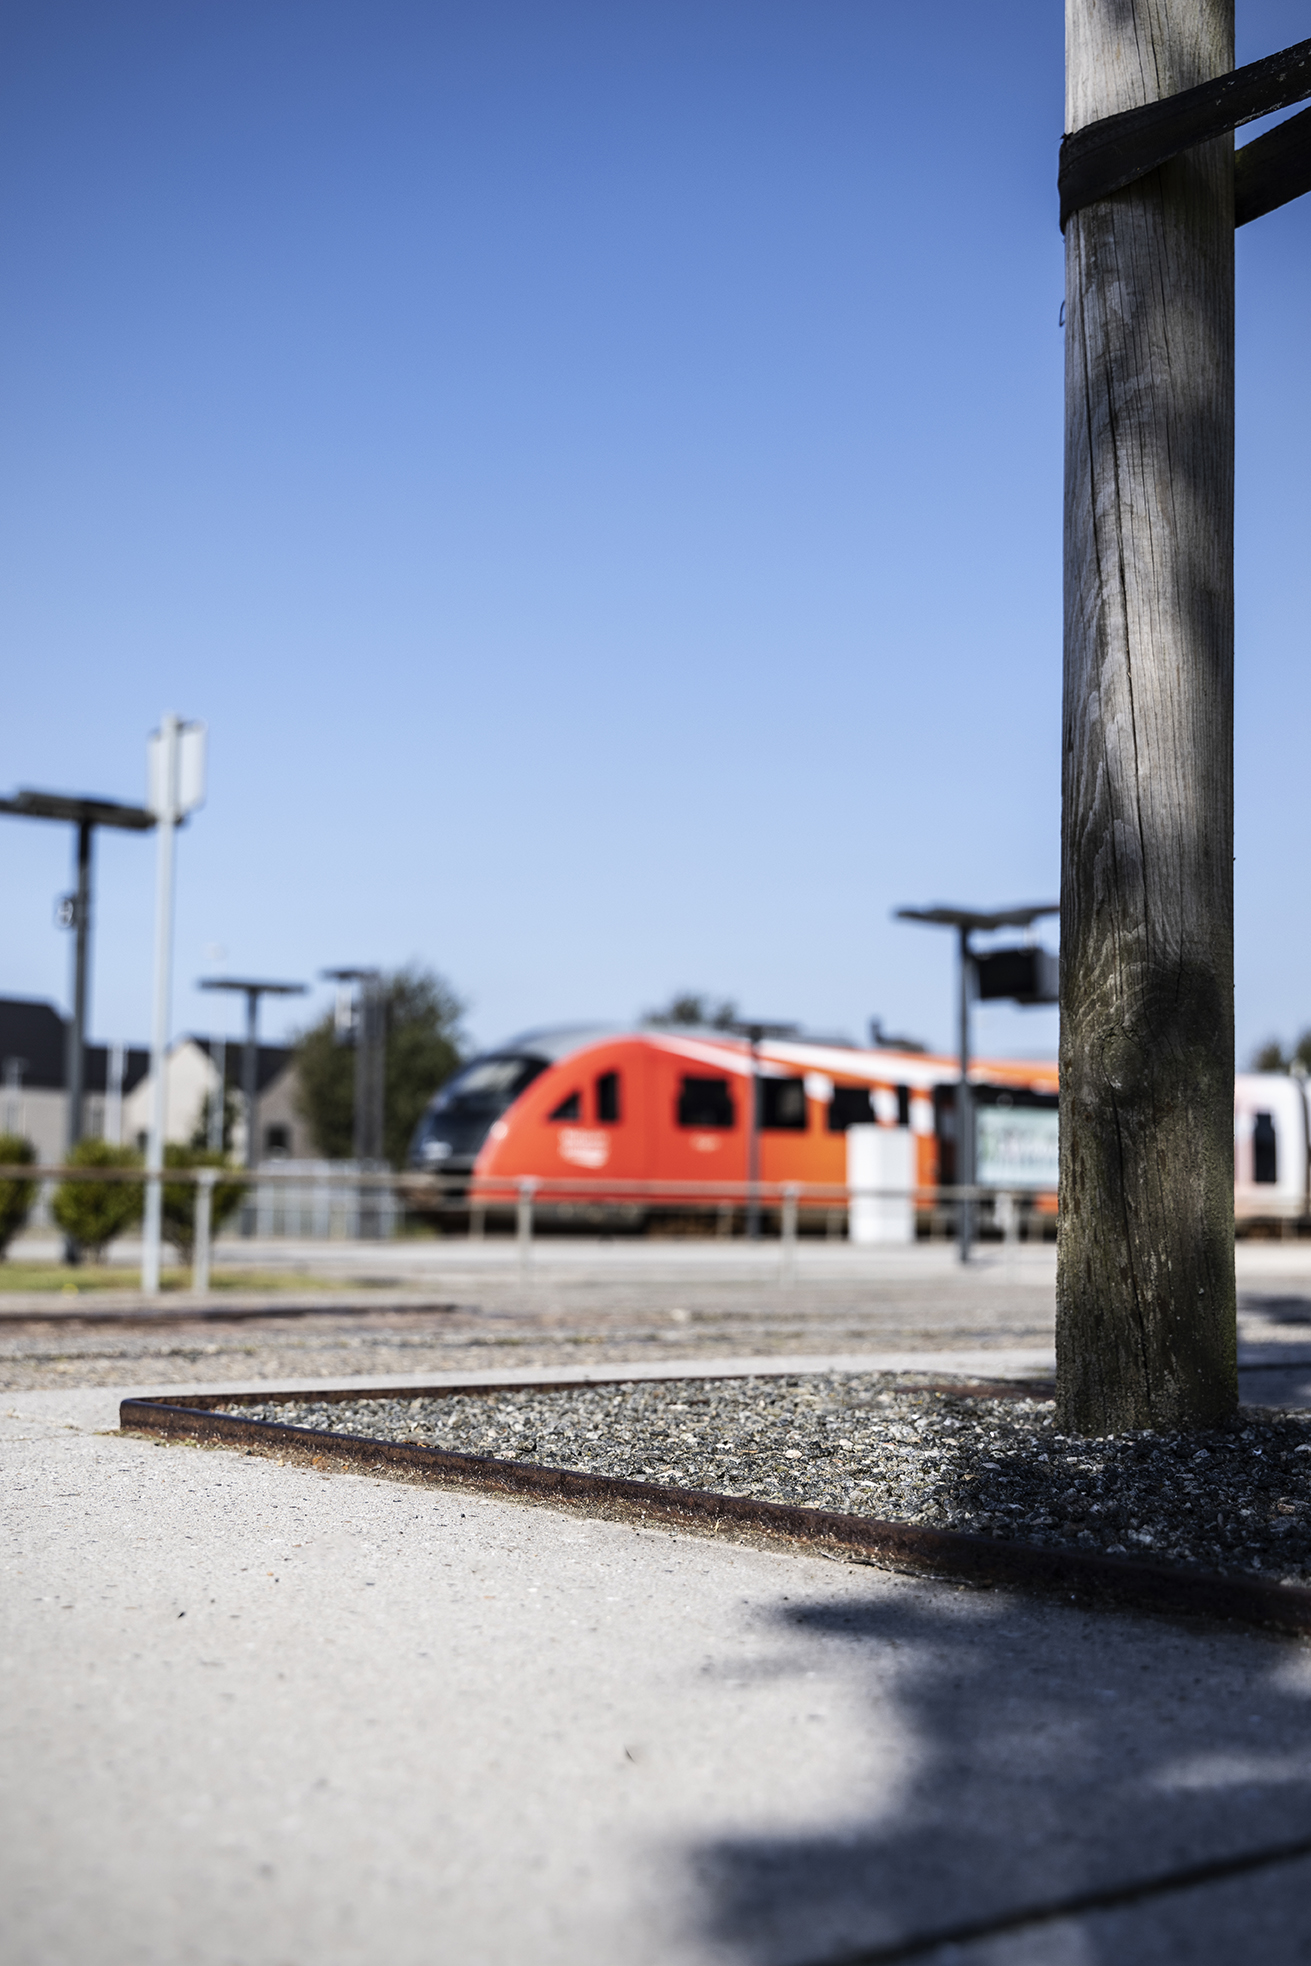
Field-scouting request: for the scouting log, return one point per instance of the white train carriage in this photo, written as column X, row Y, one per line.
column 1272, row 1163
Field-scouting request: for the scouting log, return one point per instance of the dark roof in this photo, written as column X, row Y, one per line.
column 34, row 1034
column 37, row 1034
column 136, row 1064
column 272, row 1060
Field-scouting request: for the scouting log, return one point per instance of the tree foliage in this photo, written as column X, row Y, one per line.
column 1271, row 1056
column 180, row 1199
column 425, row 1045
column 92, row 1213
column 690, row 1007
column 16, row 1195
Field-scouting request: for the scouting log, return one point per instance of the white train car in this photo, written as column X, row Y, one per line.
column 1272, row 1161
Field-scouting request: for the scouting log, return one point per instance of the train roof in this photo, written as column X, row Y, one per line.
column 729, row 1051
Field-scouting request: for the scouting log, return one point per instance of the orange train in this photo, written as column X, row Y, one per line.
column 672, row 1105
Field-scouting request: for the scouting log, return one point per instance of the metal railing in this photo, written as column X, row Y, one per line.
column 523, row 1203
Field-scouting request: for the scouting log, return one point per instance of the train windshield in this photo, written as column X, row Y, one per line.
column 485, row 1089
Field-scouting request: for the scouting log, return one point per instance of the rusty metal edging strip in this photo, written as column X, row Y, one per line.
column 1087, row 1577
column 344, row 1395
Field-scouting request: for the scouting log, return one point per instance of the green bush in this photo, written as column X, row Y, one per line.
column 92, row 1213
column 180, row 1199
column 15, row 1195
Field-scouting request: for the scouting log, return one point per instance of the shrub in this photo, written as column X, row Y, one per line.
column 180, row 1199
column 92, row 1213
column 15, row 1194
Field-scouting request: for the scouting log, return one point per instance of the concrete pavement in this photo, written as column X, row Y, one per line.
column 271, row 1716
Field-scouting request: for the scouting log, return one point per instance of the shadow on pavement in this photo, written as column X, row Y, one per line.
column 1050, row 1754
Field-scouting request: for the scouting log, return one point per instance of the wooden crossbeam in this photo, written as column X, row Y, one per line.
column 1273, row 169
column 1117, row 150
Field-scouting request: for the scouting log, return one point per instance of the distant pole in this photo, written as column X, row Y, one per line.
column 1145, row 1325
column 964, row 1105
column 370, row 1072
column 218, row 1112
column 176, row 771
column 252, row 991
column 250, row 1076
column 965, row 921
column 114, row 1097
column 76, row 1072
column 75, row 913
column 753, row 1135
column 166, row 816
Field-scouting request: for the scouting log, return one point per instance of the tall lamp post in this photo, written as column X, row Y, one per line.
column 175, row 775
column 368, row 1029
column 75, row 913
column 755, row 1032
column 965, row 921
column 252, row 991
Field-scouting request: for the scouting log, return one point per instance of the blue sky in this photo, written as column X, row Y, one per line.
column 596, row 468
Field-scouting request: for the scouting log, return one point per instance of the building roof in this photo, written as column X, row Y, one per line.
column 35, row 1034
column 271, row 1062
column 32, row 1038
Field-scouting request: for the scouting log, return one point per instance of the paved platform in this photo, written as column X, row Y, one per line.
column 261, row 1715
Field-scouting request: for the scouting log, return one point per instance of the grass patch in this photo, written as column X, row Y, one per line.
column 63, row 1279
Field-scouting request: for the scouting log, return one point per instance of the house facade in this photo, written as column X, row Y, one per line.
column 119, row 1088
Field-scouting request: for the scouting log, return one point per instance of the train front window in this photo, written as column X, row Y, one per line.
column 607, row 1099
column 849, row 1106
column 484, row 1089
column 705, row 1103
column 782, row 1105
column 570, row 1108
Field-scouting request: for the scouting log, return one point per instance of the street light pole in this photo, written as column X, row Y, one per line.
column 964, row 1109
column 175, row 769
column 75, row 913
column 167, row 814
column 75, row 1070
column 965, row 921
column 370, row 1034
column 754, row 1035
column 252, row 991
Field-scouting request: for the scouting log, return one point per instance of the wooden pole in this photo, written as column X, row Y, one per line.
column 1145, row 1332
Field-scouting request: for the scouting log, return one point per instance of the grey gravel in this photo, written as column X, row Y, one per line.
column 1234, row 1500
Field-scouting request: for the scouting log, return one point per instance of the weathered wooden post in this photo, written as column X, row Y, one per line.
column 1145, row 1291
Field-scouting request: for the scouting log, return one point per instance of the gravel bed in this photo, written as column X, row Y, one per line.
column 1233, row 1500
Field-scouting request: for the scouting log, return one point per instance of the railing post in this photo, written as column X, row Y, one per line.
column 204, row 1216
column 1007, row 1218
column 788, row 1247
column 524, row 1224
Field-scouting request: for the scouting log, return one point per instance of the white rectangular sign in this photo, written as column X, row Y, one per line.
column 189, row 772
column 1017, row 1147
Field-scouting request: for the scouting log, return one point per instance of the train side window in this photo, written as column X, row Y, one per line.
column 849, row 1106
column 607, row 1098
column 1265, row 1149
column 903, row 1105
column 705, row 1102
column 782, row 1105
column 569, row 1108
